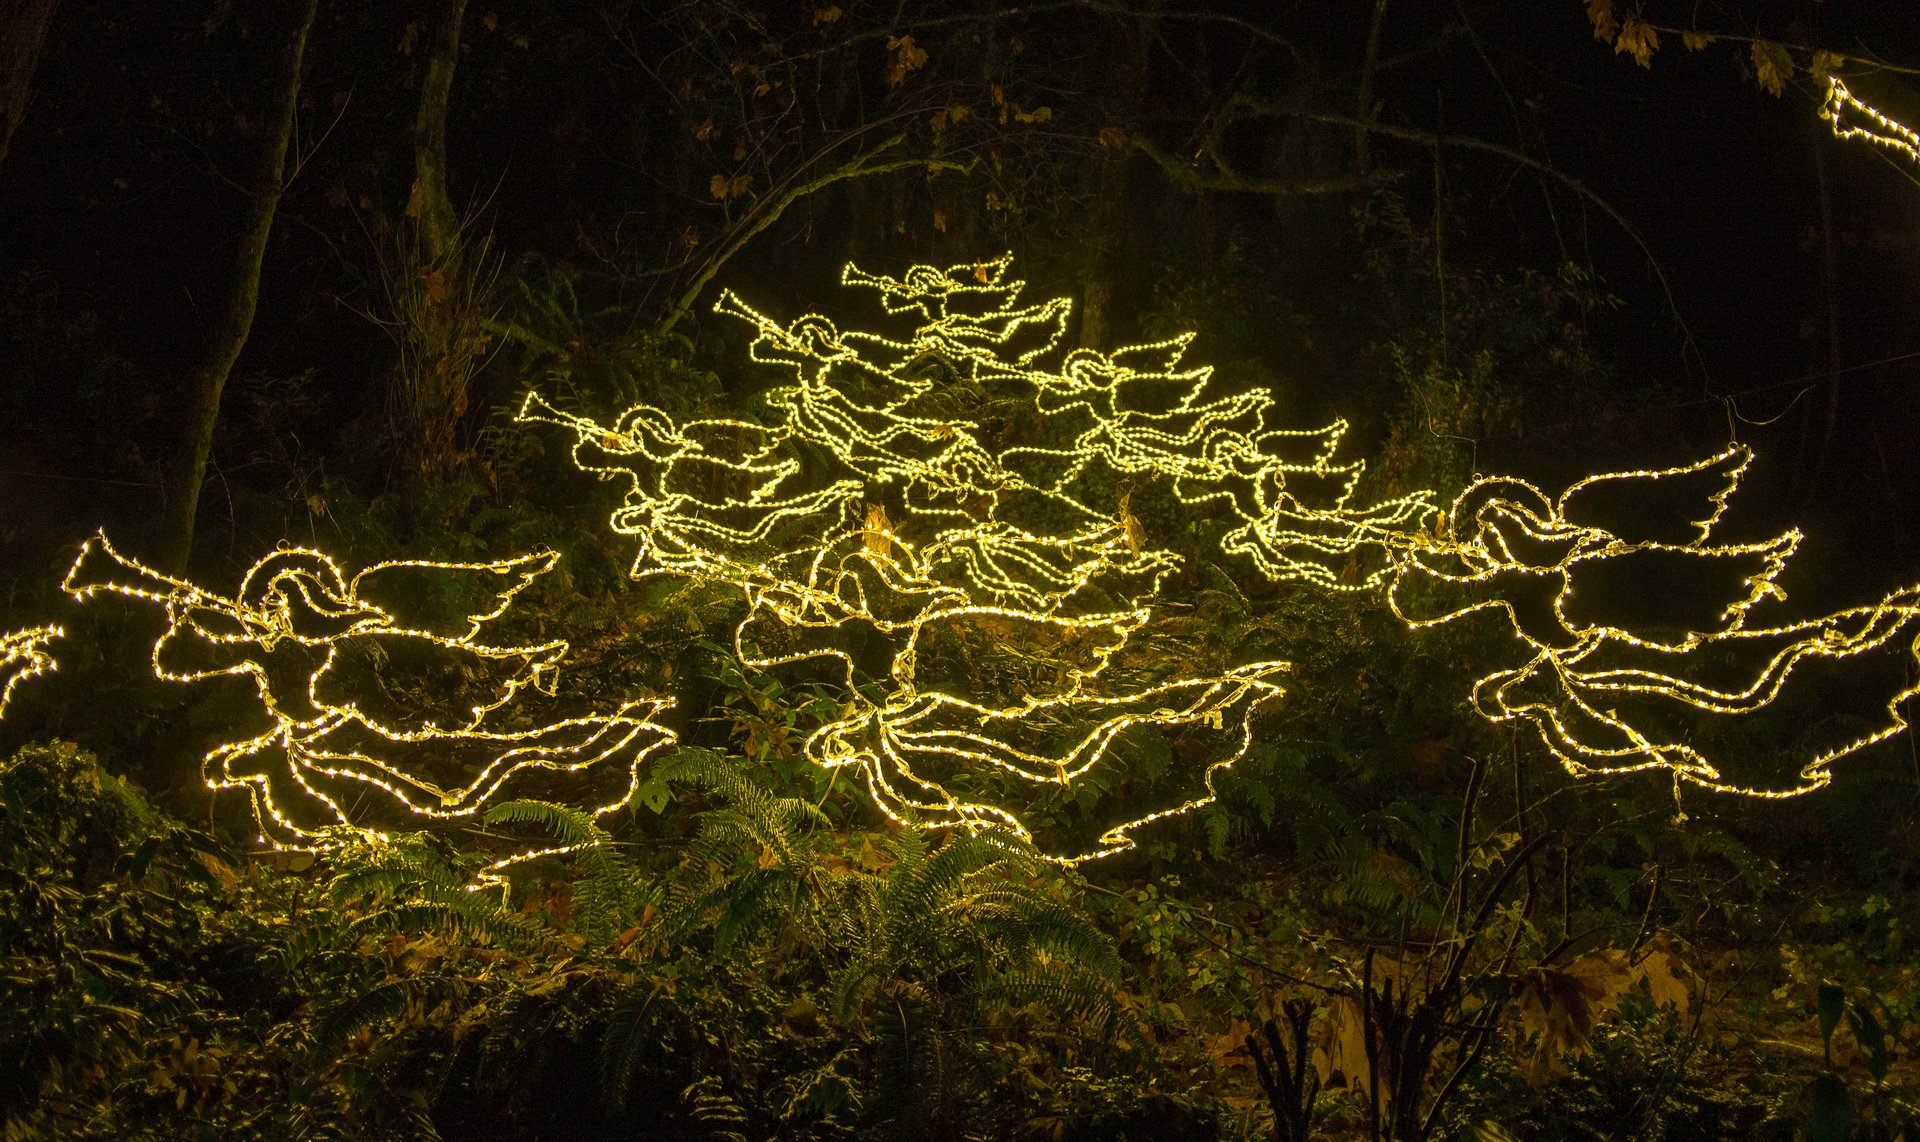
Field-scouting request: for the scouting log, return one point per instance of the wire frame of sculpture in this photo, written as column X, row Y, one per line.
column 971, row 484
column 373, row 720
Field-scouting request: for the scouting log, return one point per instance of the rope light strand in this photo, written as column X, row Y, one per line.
column 24, row 655
column 1852, row 119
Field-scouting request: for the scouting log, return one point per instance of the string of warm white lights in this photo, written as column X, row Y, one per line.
column 306, row 635
column 1877, row 128
column 874, row 495
column 1515, row 551
column 23, row 655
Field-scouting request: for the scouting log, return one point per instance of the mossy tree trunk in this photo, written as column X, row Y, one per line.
column 435, row 285
column 23, row 32
column 233, row 321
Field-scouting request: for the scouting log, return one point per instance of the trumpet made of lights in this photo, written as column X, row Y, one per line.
column 24, row 655
column 1613, row 694
column 1852, row 119
column 374, row 718
column 973, row 478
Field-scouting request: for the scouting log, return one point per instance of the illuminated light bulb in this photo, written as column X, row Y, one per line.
column 867, row 495
column 1852, row 119
column 302, row 631
column 23, row 655
column 1514, row 551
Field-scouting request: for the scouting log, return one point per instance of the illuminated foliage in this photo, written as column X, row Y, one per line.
column 350, row 749
column 23, row 655
column 1613, row 695
column 976, row 478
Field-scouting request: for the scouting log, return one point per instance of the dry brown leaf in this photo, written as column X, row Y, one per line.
column 908, row 57
column 723, row 188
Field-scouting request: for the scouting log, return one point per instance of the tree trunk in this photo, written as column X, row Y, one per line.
column 23, row 32
column 429, row 205
column 433, row 286
column 234, row 321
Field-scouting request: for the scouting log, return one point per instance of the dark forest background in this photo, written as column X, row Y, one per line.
column 284, row 271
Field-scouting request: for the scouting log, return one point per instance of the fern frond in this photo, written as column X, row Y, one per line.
column 568, row 824
column 629, row 1035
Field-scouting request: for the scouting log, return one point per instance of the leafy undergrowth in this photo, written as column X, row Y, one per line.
column 773, row 974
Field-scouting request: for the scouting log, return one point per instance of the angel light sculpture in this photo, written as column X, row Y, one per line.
column 380, row 713
column 948, row 519
column 1641, row 636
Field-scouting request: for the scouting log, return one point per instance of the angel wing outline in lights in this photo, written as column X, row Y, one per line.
column 973, row 479
column 1609, row 696
column 347, row 754
column 24, row 655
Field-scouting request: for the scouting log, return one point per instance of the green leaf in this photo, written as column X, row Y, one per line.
column 1872, row 1038
column 1831, row 1119
column 1832, row 1003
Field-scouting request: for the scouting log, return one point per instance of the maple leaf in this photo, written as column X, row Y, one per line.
column 1696, row 41
column 827, row 15
column 1772, row 66
column 723, row 188
column 1600, row 12
column 1638, row 39
column 908, row 57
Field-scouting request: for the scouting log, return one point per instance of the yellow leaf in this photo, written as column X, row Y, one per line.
column 1130, row 523
column 490, row 21
column 1826, row 63
column 723, row 188
column 1639, row 40
column 826, row 15
column 1695, row 41
column 940, row 221
column 1037, row 115
column 1772, row 66
column 1114, row 139
column 434, row 282
column 877, row 526
column 416, row 198
column 1600, row 12
column 907, row 58
column 705, row 130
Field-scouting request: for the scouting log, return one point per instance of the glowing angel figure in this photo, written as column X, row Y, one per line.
column 24, row 655
column 1634, row 622
column 962, row 752
column 376, row 721
column 963, row 478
